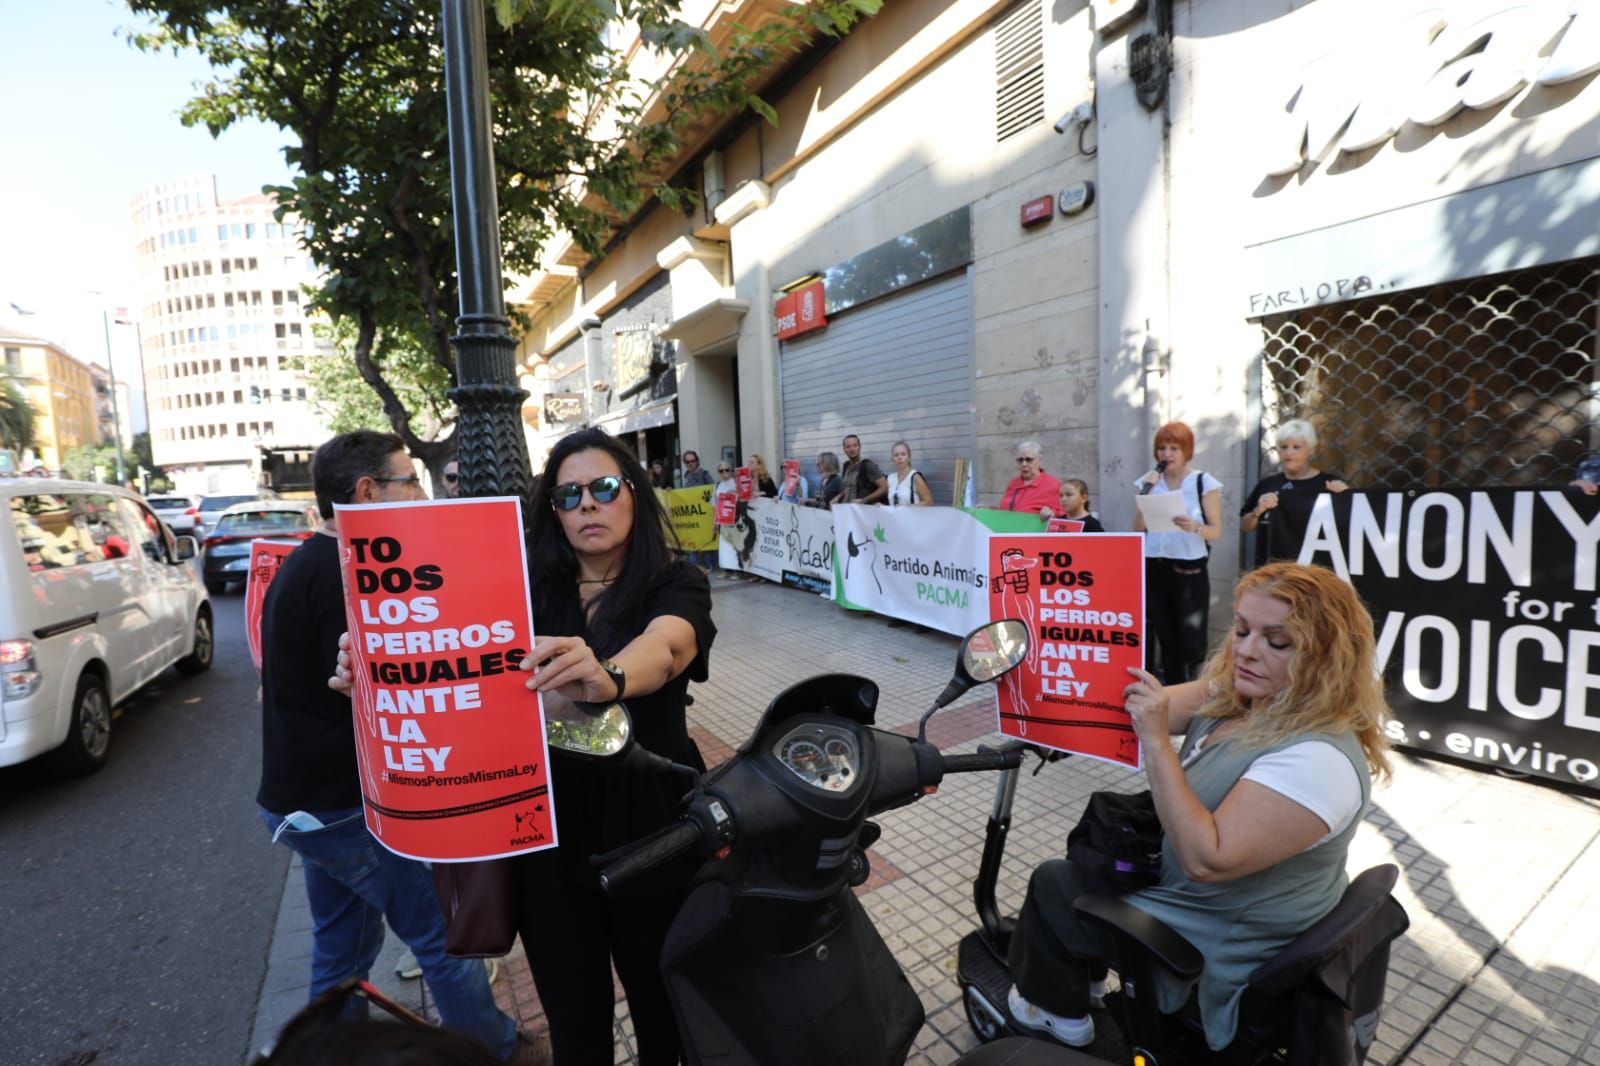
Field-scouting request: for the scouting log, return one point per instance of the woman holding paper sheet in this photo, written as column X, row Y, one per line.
column 615, row 618
column 1177, row 591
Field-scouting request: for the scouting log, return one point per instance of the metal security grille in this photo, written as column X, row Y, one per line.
column 1488, row 382
column 1019, row 70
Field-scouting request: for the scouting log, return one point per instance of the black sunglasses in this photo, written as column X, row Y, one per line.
column 604, row 490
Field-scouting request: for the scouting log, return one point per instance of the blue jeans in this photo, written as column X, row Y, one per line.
column 353, row 883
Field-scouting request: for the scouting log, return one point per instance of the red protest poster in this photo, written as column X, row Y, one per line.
column 1083, row 602
column 265, row 558
column 744, row 483
column 450, row 744
column 791, row 476
column 1064, row 525
column 727, row 509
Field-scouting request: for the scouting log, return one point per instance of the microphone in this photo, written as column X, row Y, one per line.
column 1161, row 468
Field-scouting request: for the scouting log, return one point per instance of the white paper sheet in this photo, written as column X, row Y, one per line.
column 1159, row 511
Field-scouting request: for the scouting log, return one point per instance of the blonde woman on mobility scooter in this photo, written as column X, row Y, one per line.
column 1283, row 740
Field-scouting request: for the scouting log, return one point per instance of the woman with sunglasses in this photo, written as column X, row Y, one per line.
column 616, row 617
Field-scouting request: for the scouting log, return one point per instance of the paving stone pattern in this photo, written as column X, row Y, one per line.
column 1501, row 877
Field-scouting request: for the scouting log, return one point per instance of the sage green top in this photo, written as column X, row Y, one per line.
column 1238, row 925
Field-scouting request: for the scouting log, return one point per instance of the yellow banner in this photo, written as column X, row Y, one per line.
column 691, row 517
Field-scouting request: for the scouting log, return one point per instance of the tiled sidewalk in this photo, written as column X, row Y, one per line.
column 1501, row 877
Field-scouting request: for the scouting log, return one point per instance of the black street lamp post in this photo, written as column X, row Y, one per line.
column 492, row 450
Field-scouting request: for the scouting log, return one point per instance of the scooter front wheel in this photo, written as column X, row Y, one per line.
column 985, row 1018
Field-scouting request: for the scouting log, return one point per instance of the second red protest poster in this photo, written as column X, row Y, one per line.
column 1082, row 598
column 451, row 744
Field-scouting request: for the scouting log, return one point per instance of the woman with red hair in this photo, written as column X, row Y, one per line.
column 1177, row 590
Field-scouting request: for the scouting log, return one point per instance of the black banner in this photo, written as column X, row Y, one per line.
column 1487, row 617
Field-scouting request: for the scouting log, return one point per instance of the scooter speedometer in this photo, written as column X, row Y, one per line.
column 826, row 757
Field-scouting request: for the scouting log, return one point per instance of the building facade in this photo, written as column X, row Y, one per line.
column 958, row 298
column 976, row 223
column 61, row 390
column 1383, row 217
column 225, row 335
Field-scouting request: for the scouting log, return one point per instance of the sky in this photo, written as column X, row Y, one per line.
column 89, row 122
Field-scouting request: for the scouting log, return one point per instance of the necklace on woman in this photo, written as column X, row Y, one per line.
column 596, row 580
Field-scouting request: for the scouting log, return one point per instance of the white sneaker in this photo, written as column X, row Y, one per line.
column 1074, row 1032
column 406, row 967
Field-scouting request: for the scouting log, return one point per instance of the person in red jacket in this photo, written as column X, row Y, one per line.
column 1032, row 489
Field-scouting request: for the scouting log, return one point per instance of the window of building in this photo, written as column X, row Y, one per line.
column 250, row 230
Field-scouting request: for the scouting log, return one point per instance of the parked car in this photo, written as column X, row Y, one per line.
column 227, row 546
column 211, row 507
column 97, row 597
column 180, row 513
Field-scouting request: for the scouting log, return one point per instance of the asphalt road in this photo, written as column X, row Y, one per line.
column 137, row 905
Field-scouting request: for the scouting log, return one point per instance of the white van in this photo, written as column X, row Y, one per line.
column 97, row 597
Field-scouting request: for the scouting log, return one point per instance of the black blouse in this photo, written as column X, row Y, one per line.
column 598, row 805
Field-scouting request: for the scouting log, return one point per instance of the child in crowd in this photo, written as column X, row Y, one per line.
column 1075, row 505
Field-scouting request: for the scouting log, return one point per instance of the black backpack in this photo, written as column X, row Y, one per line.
column 1116, row 845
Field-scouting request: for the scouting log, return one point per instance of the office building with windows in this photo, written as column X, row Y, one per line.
column 226, row 336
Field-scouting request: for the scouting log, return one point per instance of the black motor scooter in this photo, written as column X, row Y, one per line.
column 771, row 960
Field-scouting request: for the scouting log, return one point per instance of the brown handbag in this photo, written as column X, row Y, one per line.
column 480, row 904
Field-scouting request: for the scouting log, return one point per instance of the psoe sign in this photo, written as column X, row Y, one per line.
column 1426, row 69
column 800, row 311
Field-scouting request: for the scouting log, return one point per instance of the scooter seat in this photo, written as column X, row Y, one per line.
column 1020, row 1051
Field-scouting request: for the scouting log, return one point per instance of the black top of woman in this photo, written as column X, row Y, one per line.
column 598, row 805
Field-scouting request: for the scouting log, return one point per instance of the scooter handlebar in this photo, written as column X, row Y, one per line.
column 983, row 760
column 651, row 852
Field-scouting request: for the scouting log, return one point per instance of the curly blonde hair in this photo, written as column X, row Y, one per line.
column 1333, row 685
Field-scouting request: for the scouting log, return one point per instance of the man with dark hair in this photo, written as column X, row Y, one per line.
column 694, row 474
column 310, row 794
column 863, row 480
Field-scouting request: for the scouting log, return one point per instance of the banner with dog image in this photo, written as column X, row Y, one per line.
column 928, row 565
column 781, row 542
column 450, row 745
column 1082, row 599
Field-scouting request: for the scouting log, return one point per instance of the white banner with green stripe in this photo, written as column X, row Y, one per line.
column 928, row 565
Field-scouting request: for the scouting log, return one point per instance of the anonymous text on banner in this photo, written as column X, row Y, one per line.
column 1083, row 602
column 265, row 558
column 450, row 743
column 1487, row 615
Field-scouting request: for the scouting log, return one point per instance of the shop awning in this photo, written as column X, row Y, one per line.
column 658, row 413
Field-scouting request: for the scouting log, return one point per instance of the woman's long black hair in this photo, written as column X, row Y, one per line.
column 553, row 565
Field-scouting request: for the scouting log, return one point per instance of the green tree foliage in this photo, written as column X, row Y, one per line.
column 357, row 85
column 346, row 402
column 16, row 417
column 82, row 463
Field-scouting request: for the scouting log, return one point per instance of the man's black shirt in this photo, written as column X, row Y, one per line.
column 308, row 746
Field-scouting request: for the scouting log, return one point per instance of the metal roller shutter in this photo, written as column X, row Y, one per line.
column 1488, row 382
column 899, row 368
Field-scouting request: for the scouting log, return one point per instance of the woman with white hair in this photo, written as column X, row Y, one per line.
column 1032, row 489
column 1280, row 504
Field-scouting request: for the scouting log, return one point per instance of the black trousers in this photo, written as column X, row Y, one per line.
column 1177, row 601
column 573, row 933
column 1054, row 953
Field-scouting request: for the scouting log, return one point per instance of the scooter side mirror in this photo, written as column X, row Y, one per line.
column 591, row 730
column 987, row 654
column 992, row 651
